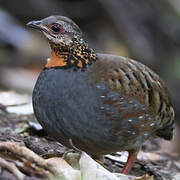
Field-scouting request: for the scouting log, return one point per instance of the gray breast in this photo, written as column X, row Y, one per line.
column 68, row 107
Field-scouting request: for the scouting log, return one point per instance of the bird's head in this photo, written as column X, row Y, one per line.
column 59, row 30
column 67, row 44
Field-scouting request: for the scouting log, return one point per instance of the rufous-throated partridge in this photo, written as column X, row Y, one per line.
column 103, row 103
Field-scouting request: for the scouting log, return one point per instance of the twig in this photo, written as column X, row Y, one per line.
column 23, row 152
column 12, row 168
column 41, row 167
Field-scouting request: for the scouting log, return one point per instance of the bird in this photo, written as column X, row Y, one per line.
column 103, row 103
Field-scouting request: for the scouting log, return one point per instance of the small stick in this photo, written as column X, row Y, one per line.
column 12, row 168
column 23, row 152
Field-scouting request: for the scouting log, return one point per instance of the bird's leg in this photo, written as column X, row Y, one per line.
column 74, row 148
column 131, row 158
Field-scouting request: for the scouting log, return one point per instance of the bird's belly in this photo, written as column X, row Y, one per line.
column 69, row 108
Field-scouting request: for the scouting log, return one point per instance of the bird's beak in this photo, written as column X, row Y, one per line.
column 35, row 25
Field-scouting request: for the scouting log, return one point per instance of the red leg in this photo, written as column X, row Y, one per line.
column 131, row 158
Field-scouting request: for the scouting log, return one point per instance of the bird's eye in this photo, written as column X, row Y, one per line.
column 56, row 28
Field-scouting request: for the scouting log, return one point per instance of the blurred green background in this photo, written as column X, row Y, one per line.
column 145, row 30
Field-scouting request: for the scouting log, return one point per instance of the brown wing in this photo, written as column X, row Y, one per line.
column 134, row 80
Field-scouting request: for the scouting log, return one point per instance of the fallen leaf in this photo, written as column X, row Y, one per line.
column 91, row 170
column 122, row 157
column 21, row 109
column 10, row 98
column 63, row 170
column 35, row 126
column 21, row 130
column 73, row 160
